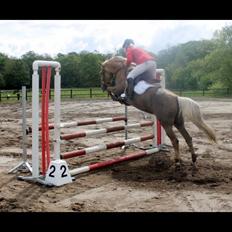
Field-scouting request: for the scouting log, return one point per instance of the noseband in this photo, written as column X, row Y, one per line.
column 113, row 76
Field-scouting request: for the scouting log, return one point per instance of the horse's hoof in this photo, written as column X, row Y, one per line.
column 194, row 158
column 194, row 169
column 194, row 165
column 178, row 167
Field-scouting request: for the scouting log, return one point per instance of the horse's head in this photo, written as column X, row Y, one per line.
column 106, row 78
column 110, row 70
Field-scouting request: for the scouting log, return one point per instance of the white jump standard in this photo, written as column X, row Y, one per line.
column 24, row 164
column 35, row 117
column 52, row 177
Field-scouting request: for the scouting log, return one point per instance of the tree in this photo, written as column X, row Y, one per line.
column 2, row 82
column 3, row 60
column 218, row 67
column 223, row 37
column 70, row 65
column 90, row 69
column 178, row 61
column 28, row 59
column 16, row 74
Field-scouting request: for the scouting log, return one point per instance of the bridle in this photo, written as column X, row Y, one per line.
column 113, row 78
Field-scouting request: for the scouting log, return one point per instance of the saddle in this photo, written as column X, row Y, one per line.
column 149, row 76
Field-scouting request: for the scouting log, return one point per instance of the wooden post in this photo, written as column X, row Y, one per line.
column 90, row 92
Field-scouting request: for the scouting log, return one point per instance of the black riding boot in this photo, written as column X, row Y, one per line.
column 130, row 88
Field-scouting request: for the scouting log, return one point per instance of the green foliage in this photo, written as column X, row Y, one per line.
column 204, row 64
column 199, row 64
column 69, row 70
column 223, row 38
column 2, row 82
column 3, row 59
column 90, row 70
column 16, row 74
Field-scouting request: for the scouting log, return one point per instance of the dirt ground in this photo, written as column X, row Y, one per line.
column 137, row 186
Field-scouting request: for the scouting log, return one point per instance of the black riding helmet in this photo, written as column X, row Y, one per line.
column 127, row 42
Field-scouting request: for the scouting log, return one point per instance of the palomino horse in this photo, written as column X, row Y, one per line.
column 170, row 109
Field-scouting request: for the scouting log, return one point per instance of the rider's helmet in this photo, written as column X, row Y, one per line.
column 127, row 43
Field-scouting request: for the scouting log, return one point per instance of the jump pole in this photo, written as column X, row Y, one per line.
column 24, row 165
column 103, row 146
column 107, row 163
column 105, row 130
column 83, row 123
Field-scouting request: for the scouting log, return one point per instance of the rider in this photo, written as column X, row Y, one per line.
column 143, row 60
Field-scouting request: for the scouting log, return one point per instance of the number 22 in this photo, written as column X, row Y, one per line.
column 53, row 168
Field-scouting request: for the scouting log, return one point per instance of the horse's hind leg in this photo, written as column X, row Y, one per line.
column 188, row 140
column 175, row 143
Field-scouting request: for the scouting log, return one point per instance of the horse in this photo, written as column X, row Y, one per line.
column 169, row 108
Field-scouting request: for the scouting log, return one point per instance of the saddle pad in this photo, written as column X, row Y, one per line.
column 141, row 87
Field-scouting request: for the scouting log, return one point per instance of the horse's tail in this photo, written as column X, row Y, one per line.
column 191, row 110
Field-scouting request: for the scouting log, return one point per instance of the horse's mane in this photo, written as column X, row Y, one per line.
column 117, row 61
column 113, row 64
column 114, row 59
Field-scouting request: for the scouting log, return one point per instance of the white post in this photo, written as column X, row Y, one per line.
column 24, row 164
column 35, row 122
column 162, row 82
column 35, row 110
column 57, row 116
column 57, row 178
column 24, row 124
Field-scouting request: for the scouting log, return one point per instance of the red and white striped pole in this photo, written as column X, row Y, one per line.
column 83, row 123
column 107, row 163
column 105, row 130
column 102, row 147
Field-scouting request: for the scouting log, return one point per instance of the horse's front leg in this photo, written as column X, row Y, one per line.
column 111, row 89
column 114, row 98
column 112, row 94
column 119, row 99
column 118, row 88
